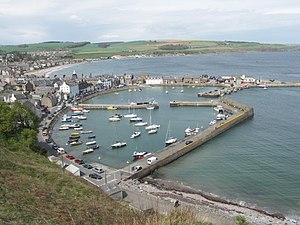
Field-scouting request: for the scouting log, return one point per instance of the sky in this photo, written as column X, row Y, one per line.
column 265, row 21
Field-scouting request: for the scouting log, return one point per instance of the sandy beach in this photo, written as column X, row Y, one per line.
column 46, row 72
column 162, row 194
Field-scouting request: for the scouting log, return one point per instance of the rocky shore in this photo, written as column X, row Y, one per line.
column 219, row 211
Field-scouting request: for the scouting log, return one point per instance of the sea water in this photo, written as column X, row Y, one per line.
column 257, row 162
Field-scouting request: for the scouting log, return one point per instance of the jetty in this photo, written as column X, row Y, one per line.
column 239, row 113
column 195, row 104
column 138, row 105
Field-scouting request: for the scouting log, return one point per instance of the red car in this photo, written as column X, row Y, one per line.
column 70, row 157
column 79, row 161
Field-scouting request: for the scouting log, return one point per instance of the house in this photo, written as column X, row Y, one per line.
column 169, row 80
column 49, row 100
column 69, row 89
column 28, row 87
column 154, row 81
column 15, row 97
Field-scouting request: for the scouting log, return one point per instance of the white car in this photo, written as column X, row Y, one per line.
column 98, row 170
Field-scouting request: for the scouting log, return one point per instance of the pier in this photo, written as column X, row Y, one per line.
column 195, row 104
column 240, row 113
column 138, row 105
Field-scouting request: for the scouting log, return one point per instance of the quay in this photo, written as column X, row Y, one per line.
column 240, row 113
column 188, row 103
column 139, row 105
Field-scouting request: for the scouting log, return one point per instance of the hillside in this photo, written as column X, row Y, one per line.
column 35, row 191
column 151, row 47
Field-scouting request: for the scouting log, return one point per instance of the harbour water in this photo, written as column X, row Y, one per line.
column 256, row 162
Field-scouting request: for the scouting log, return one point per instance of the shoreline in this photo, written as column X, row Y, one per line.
column 47, row 71
column 215, row 209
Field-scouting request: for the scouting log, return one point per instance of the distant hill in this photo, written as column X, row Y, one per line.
column 150, row 47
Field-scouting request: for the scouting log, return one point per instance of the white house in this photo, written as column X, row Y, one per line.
column 154, row 80
column 69, row 90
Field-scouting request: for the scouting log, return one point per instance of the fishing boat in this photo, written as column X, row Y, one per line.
column 74, row 134
column 74, row 137
column 135, row 134
column 92, row 136
column 87, row 151
column 91, row 143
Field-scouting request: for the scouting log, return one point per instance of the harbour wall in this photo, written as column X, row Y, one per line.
column 244, row 112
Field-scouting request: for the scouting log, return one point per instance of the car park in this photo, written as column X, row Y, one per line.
column 95, row 176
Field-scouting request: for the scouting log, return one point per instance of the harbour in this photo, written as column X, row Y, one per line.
column 265, row 143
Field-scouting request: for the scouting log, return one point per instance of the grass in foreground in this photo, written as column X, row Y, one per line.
column 35, row 191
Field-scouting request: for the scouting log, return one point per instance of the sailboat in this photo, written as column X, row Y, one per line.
column 169, row 139
column 130, row 115
column 118, row 144
column 151, row 126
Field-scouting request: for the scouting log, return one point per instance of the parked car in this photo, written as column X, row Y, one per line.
column 98, row 170
column 88, row 166
column 188, row 142
column 136, row 168
column 79, row 161
column 70, row 157
column 95, row 176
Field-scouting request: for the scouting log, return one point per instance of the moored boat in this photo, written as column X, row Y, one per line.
column 86, row 131
column 136, row 119
column 153, row 131
column 119, row 144
column 140, row 124
column 75, row 143
column 91, row 143
column 135, row 134
column 140, row 155
column 87, row 151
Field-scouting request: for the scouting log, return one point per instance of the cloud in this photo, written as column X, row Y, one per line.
column 96, row 20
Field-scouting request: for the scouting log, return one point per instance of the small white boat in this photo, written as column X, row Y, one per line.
column 114, row 119
column 81, row 117
column 136, row 119
column 153, row 131
column 135, row 134
column 86, row 132
column 140, row 124
column 91, row 143
column 86, row 110
column 150, row 107
column 78, row 128
column 212, row 122
column 153, row 126
column 119, row 144
column 170, row 141
column 64, row 128
column 131, row 115
column 87, row 151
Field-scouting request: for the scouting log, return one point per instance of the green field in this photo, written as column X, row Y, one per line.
column 108, row 49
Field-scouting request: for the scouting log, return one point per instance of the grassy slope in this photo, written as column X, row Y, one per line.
column 35, row 191
column 95, row 50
